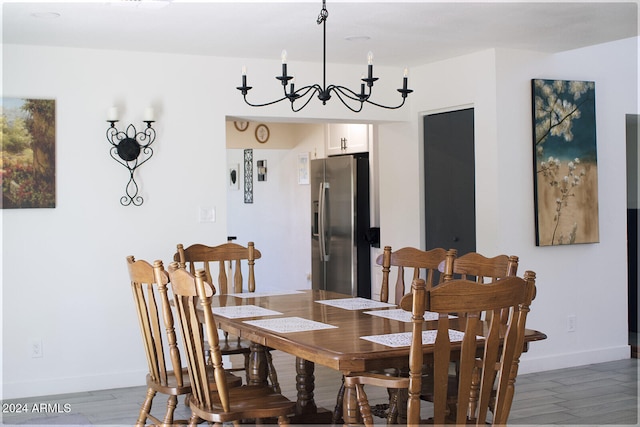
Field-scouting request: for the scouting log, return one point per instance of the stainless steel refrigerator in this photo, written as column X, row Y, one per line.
column 340, row 237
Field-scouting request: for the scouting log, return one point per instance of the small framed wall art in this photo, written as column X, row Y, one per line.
column 28, row 153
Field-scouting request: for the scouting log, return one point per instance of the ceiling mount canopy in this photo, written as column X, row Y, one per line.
column 299, row 98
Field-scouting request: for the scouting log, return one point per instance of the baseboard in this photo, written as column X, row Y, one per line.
column 529, row 363
column 64, row 385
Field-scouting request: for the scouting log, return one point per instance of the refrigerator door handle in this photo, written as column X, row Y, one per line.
column 324, row 255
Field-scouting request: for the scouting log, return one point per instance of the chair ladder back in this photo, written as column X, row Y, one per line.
column 145, row 279
column 223, row 279
column 162, row 279
column 193, row 344
column 482, row 388
column 512, row 351
column 156, row 334
column 503, row 344
column 190, row 291
column 409, row 259
column 228, row 259
column 146, row 330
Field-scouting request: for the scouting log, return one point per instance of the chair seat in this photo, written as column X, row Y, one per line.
column 233, row 345
column 172, row 388
column 246, row 402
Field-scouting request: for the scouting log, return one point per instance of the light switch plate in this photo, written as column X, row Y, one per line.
column 207, row 214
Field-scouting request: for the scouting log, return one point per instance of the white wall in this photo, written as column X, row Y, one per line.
column 64, row 277
column 588, row 281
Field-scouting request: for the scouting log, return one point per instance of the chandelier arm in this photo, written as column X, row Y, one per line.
column 303, row 91
column 349, row 93
column 384, row 106
column 265, row 104
column 307, row 91
column 295, row 110
column 340, row 95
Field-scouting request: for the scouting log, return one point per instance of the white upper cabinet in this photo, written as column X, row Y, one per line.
column 343, row 138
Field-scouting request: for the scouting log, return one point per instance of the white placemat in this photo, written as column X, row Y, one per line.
column 240, row 311
column 355, row 303
column 263, row 294
column 403, row 339
column 289, row 324
column 402, row 315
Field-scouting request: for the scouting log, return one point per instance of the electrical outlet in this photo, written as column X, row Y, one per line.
column 571, row 323
column 35, row 348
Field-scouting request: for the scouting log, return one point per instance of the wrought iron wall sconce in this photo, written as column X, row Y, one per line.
column 131, row 148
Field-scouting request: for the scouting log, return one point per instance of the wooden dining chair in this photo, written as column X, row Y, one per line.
column 495, row 357
column 410, row 264
column 225, row 263
column 415, row 260
column 197, row 323
column 166, row 374
column 481, row 269
column 226, row 259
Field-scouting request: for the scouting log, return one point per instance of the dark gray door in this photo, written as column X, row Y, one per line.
column 449, row 173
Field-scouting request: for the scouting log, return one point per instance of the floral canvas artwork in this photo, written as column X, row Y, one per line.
column 566, row 167
column 28, row 146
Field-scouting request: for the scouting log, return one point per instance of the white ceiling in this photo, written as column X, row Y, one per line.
column 401, row 33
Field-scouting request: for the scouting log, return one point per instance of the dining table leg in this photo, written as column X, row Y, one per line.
column 257, row 374
column 305, row 384
column 306, row 409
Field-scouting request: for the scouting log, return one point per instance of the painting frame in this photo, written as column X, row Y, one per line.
column 565, row 162
column 303, row 168
column 234, row 176
column 28, row 153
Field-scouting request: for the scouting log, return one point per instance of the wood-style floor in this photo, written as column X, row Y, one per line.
column 599, row 394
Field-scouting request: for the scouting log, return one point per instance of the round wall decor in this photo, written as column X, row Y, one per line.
column 241, row 126
column 262, row 133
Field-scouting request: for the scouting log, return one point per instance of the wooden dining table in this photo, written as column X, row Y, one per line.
column 320, row 327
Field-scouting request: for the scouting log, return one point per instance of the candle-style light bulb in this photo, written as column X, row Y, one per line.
column 370, row 64
column 405, row 78
column 244, row 76
column 284, row 65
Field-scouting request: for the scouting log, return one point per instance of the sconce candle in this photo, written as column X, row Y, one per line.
column 131, row 149
column 112, row 114
column 149, row 115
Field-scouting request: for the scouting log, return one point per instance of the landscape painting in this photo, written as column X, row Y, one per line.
column 565, row 165
column 28, row 146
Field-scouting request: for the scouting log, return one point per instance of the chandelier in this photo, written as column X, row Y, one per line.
column 299, row 98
